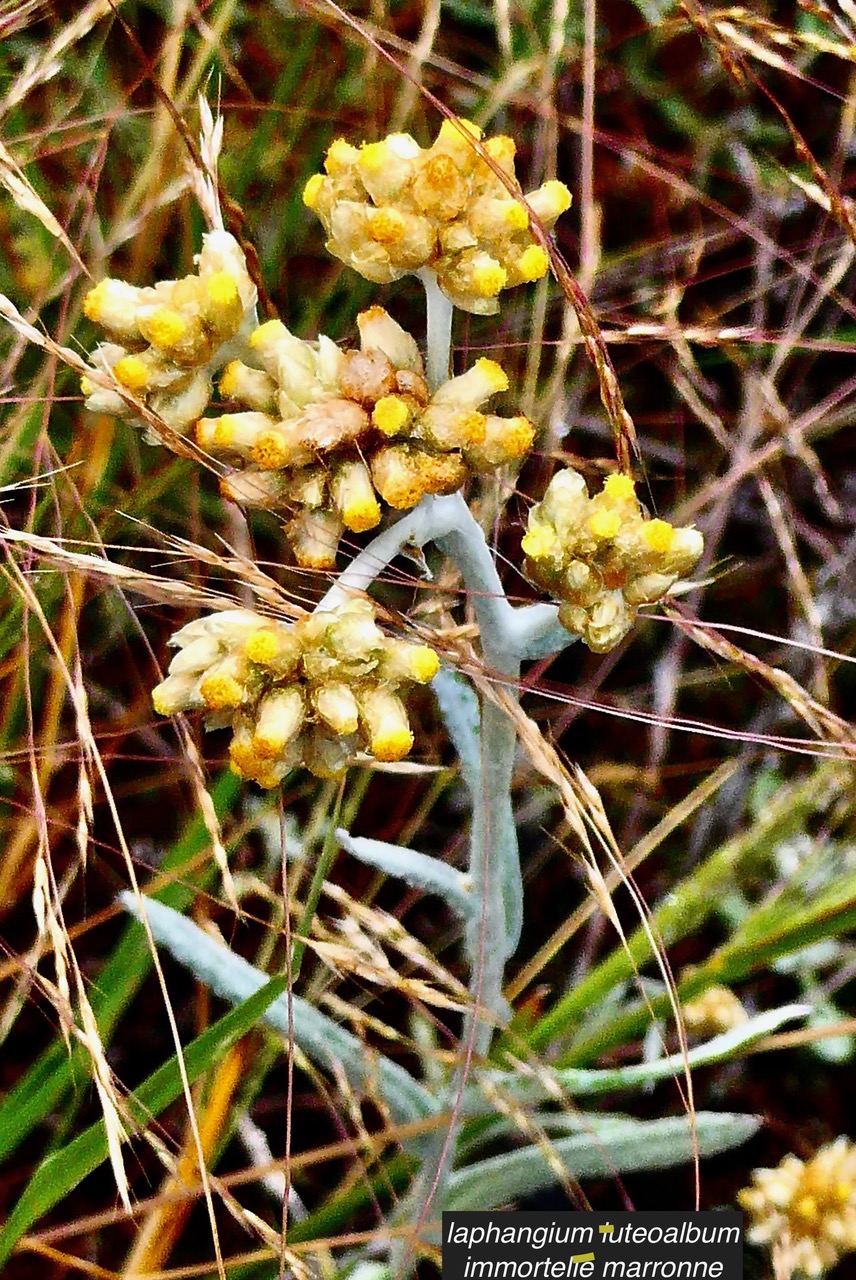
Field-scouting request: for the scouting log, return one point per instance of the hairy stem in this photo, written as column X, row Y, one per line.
column 439, row 338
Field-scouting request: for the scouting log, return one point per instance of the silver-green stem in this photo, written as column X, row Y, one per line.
column 439, row 336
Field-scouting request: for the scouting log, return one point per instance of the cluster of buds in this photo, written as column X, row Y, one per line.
column 337, row 433
column 805, row 1210
column 601, row 557
column 169, row 339
column 316, row 693
column 393, row 207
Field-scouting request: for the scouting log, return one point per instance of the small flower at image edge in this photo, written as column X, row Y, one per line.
column 805, row 1210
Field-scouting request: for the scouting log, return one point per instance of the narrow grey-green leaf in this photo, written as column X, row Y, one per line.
column 416, row 869
column 324, row 1041
column 612, row 1146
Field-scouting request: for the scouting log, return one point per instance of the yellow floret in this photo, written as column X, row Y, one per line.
column 223, row 433
column 502, row 149
column 450, row 131
column 604, row 524
column 131, row 372
column 229, row 380
column 373, row 156
column 87, row 386
column 221, row 692
column 265, row 332
column 659, row 535
column 390, row 415
column 470, row 428
column 360, row 514
column 166, row 328
column 489, row 279
column 493, row 373
column 392, row 744
column 340, row 156
column 387, row 226
column 424, row 663
column 262, row 646
column 539, row 541
column 517, row 437
column 94, row 301
column 533, row 263
column 312, row 190
column 270, row 451
column 244, row 760
column 516, row 217
column 558, row 196
column 222, row 288
column 619, row 487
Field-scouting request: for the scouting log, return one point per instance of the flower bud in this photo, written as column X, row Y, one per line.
column 337, row 707
column 385, row 721
column 354, row 497
column 279, row 719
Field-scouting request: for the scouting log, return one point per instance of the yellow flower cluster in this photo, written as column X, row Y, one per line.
column 601, row 557
column 716, row 1010
column 336, row 433
column 313, row 694
column 806, row 1210
column 169, row 339
column 393, row 207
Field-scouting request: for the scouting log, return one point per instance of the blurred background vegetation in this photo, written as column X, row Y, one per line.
column 710, row 156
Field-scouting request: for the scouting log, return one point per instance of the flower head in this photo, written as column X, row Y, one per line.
column 716, row 1010
column 601, row 557
column 806, row 1210
column 167, row 340
column 341, row 435
column 393, row 207
column 315, row 694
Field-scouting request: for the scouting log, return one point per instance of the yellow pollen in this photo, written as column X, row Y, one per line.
column 451, row 132
column 166, row 328
column 373, row 156
column 244, row 760
column 267, row 780
column 559, row 196
column 471, row 427
column 493, row 373
column 518, row 436
column 502, row 149
column 604, row 524
column 229, row 380
column 387, row 226
column 392, row 744
column 361, row 514
column 340, row 156
column 224, row 431
column 806, row 1207
column 221, row 692
column 539, row 541
column 262, row 646
column 269, row 745
column 312, row 190
column 160, row 707
column 619, row 487
column 658, row 534
column 265, row 333
column 270, row 451
column 390, row 415
column 222, row 289
column 533, row 263
column 424, row 663
column 87, row 386
column 131, row 372
column 93, row 302
column 516, row 217
column 489, row 279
